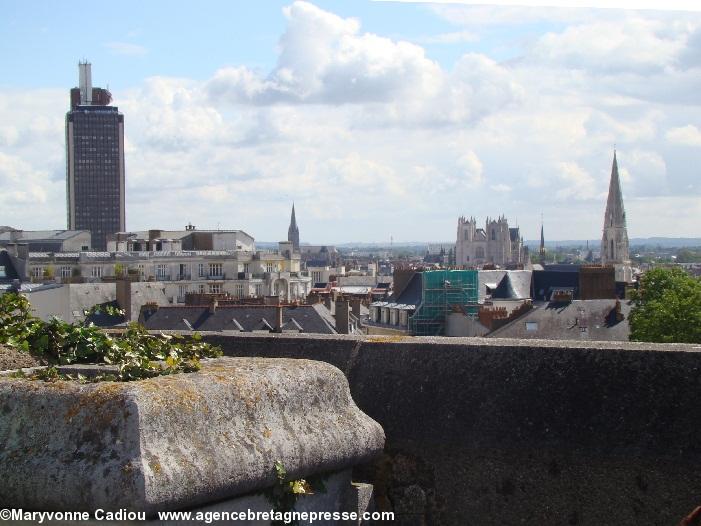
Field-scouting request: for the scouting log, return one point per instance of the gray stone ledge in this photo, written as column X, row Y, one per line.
column 177, row 441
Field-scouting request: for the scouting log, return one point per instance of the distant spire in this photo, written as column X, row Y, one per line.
column 615, row 213
column 293, row 230
column 614, row 242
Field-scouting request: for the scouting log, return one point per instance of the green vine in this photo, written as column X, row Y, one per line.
column 284, row 494
column 135, row 353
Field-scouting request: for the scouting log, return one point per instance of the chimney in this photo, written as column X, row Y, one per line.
column 355, row 307
column 278, row 318
column 327, row 301
column 23, row 251
column 123, row 286
column 342, row 317
column 213, row 304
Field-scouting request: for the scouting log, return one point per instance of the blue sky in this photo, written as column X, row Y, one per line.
column 40, row 40
column 378, row 119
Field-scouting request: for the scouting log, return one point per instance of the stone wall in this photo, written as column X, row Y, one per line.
column 510, row 432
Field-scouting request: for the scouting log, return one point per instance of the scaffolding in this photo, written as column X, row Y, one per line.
column 443, row 292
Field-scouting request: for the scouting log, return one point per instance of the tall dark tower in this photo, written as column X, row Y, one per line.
column 94, row 161
column 614, row 241
column 293, row 231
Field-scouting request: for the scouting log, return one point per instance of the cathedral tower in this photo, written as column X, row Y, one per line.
column 614, row 242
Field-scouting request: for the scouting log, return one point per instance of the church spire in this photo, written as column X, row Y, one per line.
column 293, row 231
column 614, row 242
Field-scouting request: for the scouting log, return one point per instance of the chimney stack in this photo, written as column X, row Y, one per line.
column 342, row 317
column 278, row 318
column 123, row 286
column 355, row 307
column 213, row 305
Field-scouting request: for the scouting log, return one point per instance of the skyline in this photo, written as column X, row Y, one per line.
column 389, row 119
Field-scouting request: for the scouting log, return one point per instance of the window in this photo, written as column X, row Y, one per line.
column 65, row 272
column 494, row 234
column 467, row 235
column 3, row 272
column 201, row 288
column 531, row 326
column 162, row 271
column 38, row 272
column 96, row 272
column 239, row 290
column 200, row 270
column 268, row 267
column 182, row 290
column 140, row 268
column 215, row 288
column 215, row 270
column 259, row 290
column 246, row 268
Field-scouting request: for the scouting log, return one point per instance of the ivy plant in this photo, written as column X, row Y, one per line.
column 135, row 352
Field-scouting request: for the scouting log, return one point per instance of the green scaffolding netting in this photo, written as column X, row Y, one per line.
column 443, row 291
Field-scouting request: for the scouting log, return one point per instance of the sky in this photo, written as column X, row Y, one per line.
column 379, row 119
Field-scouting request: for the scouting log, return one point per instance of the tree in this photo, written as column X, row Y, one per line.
column 667, row 307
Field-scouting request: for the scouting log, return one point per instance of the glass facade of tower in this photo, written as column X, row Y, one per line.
column 95, row 166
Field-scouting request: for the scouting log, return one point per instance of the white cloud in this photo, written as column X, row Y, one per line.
column 645, row 174
column 326, row 59
column 577, row 184
column 636, row 45
column 688, row 135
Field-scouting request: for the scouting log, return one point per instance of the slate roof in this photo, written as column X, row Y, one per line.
column 516, row 284
column 560, row 278
column 246, row 318
column 412, row 293
column 101, row 318
column 589, row 320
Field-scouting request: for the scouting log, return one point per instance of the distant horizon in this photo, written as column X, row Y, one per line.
column 688, row 241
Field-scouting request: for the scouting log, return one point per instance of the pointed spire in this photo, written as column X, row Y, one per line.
column 614, row 242
column 293, row 219
column 293, row 231
column 615, row 214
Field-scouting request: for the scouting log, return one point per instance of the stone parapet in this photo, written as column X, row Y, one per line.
column 506, row 432
column 179, row 441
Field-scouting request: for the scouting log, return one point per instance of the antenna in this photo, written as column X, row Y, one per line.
column 85, row 83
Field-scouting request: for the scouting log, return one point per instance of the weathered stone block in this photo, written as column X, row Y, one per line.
column 177, row 441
